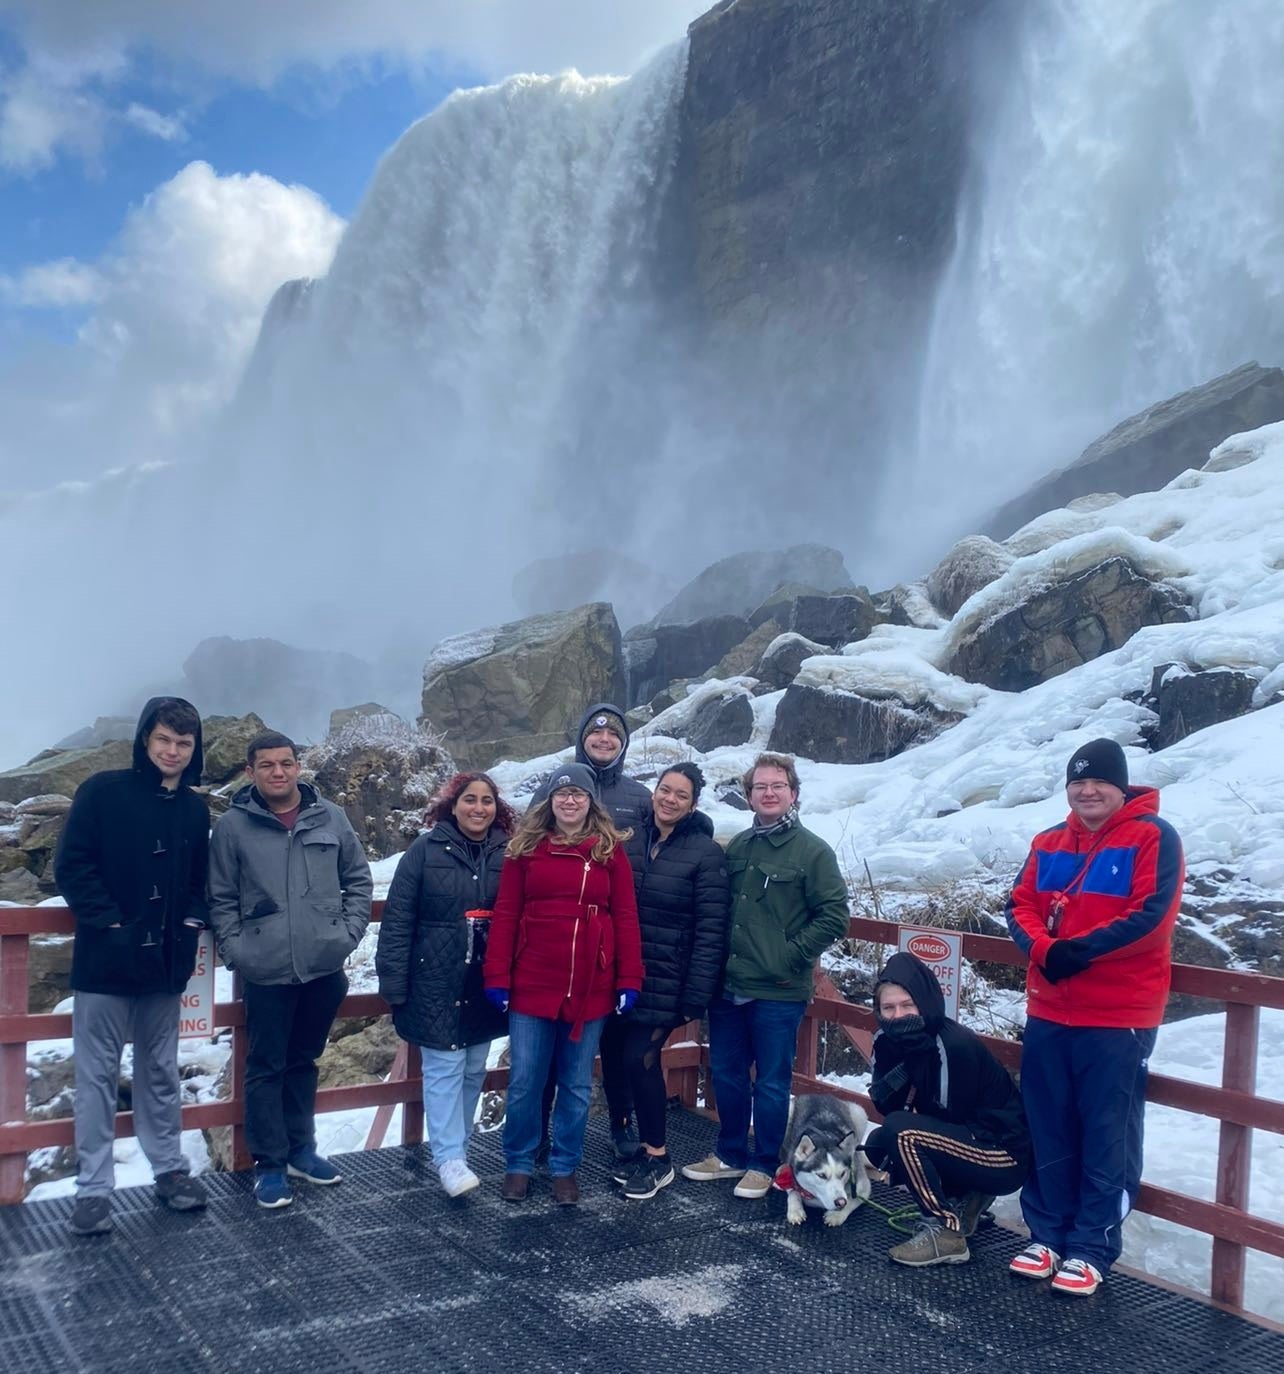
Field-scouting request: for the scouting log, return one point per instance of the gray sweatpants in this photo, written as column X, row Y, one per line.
column 101, row 1024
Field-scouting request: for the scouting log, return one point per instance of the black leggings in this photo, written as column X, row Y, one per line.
column 937, row 1160
column 632, row 1078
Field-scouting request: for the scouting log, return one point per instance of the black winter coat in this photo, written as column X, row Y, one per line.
column 683, row 905
column 954, row 1076
column 429, row 957
column 131, row 865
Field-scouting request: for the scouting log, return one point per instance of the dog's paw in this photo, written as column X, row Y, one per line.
column 837, row 1218
column 795, row 1212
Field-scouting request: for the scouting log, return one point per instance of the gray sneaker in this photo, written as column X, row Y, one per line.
column 91, row 1216
column 970, row 1208
column 931, row 1243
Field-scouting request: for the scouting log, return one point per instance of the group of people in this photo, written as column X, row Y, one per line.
column 595, row 924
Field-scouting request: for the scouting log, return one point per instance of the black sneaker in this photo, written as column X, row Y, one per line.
column 622, row 1168
column 91, row 1216
column 650, row 1175
column 625, row 1139
column 180, row 1192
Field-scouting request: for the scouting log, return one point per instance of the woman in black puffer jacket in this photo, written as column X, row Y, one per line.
column 680, row 876
column 432, row 942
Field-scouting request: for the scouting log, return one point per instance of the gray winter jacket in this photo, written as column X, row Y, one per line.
column 287, row 906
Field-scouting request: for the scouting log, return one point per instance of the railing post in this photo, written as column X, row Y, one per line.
column 808, row 1043
column 1235, row 1147
column 240, row 1048
column 412, row 1111
column 13, row 1061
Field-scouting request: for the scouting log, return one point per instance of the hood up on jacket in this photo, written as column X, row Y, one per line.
column 607, row 774
column 146, row 723
column 920, row 982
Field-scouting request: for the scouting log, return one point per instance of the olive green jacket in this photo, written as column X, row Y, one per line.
column 788, row 905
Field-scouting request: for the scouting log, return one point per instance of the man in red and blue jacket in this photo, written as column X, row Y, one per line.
column 1094, row 909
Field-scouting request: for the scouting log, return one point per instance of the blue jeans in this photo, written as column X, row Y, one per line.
column 533, row 1044
column 452, row 1084
column 763, row 1034
column 1084, row 1090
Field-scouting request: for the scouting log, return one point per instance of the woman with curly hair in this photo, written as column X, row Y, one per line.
column 564, row 954
column 432, row 941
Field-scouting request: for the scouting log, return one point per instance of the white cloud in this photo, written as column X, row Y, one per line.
column 52, row 285
column 176, row 304
column 168, row 128
column 44, row 111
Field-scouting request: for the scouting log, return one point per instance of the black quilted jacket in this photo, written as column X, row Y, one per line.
column 683, row 904
column 430, row 954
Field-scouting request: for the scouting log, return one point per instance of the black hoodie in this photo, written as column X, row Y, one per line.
column 953, row 1075
column 131, row 865
column 627, row 800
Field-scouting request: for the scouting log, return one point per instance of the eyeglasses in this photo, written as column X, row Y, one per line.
column 771, row 787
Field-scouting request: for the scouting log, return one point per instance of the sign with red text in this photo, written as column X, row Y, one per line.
column 196, row 1010
column 942, row 952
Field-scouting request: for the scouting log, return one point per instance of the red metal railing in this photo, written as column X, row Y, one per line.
column 1234, row 1104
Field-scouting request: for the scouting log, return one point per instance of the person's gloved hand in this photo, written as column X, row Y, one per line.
column 1065, row 958
column 893, row 1081
column 624, row 1000
column 498, row 998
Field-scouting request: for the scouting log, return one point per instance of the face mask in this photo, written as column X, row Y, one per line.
column 904, row 1027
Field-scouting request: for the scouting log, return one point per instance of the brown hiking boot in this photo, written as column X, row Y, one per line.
column 566, row 1190
column 930, row 1244
column 516, row 1187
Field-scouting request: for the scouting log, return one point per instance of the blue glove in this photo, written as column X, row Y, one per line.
column 624, row 1001
column 498, row 998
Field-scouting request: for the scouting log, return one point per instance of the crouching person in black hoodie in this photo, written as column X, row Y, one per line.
column 131, row 865
column 954, row 1132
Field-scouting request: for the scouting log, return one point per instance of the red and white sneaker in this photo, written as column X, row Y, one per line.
column 1077, row 1278
column 1035, row 1262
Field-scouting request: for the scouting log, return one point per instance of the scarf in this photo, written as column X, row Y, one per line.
column 786, row 822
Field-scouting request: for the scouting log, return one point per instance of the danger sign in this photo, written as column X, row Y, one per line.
column 196, row 1009
column 942, row 952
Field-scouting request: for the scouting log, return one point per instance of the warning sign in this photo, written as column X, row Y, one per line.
column 942, row 952
column 196, row 1010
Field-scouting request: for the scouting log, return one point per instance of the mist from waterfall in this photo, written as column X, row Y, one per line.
column 1122, row 238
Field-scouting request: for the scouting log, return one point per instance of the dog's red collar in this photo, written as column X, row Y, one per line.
column 787, row 1183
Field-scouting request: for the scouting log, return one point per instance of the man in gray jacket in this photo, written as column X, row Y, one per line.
column 290, row 892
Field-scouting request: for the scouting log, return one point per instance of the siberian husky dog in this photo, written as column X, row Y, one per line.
column 823, row 1166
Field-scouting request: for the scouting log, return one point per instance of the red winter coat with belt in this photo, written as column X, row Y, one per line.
column 564, row 934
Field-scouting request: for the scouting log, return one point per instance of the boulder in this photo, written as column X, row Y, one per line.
column 1059, row 627
column 907, row 604
column 742, row 659
column 48, row 971
column 734, row 586
column 383, row 772
column 783, row 658
column 516, row 691
column 363, row 1055
column 339, row 718
column 102, row 731
column 1146, row 451
column 833, row 620
column 1187, row 701
column 973, row 563
column 654, row 657
column 295, row 688
column 52, row 804
column 726, row 719
column 19, row 885
column 63, row 770
column 225, row 739
column 845, row 727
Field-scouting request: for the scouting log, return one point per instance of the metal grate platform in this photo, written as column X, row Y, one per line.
column 385, row 1272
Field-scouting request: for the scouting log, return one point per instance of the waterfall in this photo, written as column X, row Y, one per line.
column 1122, row 238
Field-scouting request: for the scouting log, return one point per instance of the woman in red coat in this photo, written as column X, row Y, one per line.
column 564, row 953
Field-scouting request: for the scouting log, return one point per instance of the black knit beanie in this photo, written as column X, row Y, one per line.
column 1101, row 759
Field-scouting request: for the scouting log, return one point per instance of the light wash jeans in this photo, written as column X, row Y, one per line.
column 452, row 1086
column 533, row 1044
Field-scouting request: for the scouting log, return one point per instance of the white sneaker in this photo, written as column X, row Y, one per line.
column 457, row 1178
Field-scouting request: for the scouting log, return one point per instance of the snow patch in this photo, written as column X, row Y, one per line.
column 676, row 1298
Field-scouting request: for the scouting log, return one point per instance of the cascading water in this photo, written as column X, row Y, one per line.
column 1123, row 237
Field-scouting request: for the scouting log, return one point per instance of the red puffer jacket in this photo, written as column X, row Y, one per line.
column 564, row 935
column 1120, row 891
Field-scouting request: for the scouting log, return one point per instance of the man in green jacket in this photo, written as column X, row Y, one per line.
column 788, row 905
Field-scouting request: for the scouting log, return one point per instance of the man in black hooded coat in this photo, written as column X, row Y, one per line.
column 601, row 743
column 131, row 865
column 953, row 1122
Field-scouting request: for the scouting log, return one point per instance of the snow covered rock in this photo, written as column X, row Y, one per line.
column 726, row 719
column 1064, row 625
column 1149, row 449
column 655, row 657
column 844, row 727
column 340, row 717
column 62, row 770
column 514, row 691
column 744, row 657
column 973, row 563
column 833, row 620
column 783, row 658
column 1187, row 701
